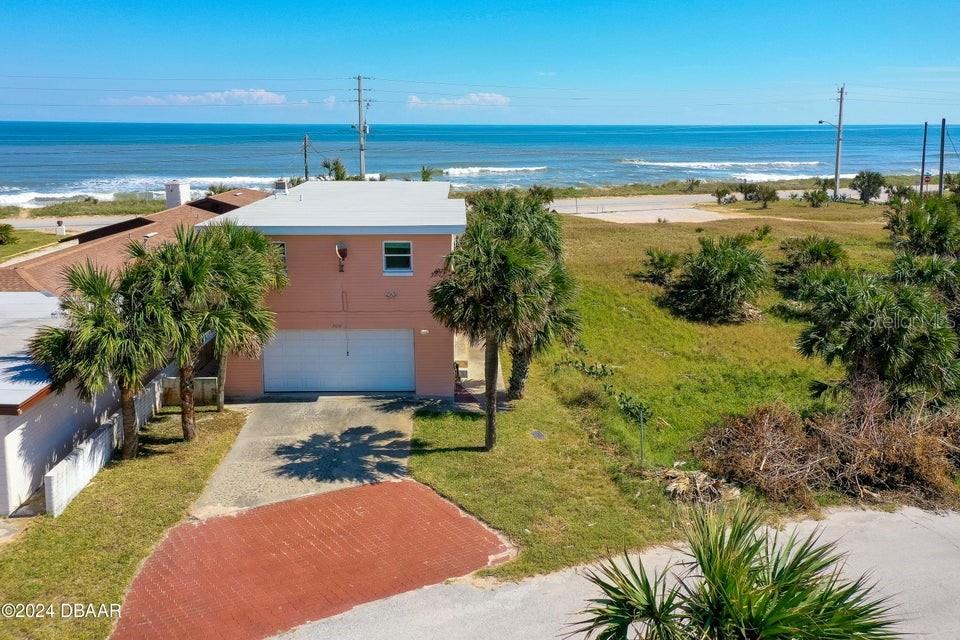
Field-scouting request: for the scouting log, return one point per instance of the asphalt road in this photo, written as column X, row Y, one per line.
column 914, row 555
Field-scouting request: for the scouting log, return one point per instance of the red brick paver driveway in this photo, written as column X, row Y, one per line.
column 275, row 567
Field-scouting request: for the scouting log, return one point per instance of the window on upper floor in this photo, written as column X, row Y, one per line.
column 397, row 258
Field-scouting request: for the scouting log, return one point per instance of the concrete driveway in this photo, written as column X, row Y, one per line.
column 300, row 445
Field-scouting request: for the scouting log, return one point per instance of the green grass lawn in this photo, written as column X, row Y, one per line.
column 26, row 240
column 90, row 553
column 576, row 495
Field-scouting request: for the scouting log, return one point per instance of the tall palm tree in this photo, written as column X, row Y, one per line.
column 253, row 266
column 489, row 289
column 184, row 273
column 739, row 582
column 113, row 333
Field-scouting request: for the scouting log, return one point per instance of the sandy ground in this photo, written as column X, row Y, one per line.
column 914, row 555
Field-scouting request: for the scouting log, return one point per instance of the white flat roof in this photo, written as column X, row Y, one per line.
column 355, row 207
column 21, row 314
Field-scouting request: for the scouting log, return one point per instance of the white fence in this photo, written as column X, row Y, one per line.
column 67, row 478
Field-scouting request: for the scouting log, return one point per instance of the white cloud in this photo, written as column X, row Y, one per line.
column 547, row 74
column 228, row 97
column 468, row 100
column 330, row 102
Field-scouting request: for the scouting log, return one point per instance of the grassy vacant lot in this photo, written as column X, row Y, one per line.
column 798, row 210
column 577, row 495
column 90, row 553
column 26, row 240
column 112, row 208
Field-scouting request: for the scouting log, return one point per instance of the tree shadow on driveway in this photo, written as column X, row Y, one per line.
column 357, row 454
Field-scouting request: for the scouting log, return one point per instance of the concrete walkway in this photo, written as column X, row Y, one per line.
column 915, row 556
column 310, row 444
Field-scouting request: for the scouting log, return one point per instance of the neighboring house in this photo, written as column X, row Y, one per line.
column 355, row 317
column 37, row 426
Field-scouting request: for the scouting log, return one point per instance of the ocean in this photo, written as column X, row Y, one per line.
column 42, row 162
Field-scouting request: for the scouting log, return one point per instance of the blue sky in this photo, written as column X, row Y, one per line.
column 692, row 62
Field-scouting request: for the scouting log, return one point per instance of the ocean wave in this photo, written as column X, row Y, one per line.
column 768, row 177
column 38, row 199
column 475, row 171
column 772, row 164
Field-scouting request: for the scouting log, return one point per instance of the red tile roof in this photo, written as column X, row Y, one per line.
column 45, row 272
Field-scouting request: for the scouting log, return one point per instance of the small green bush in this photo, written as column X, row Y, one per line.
column 660, row 265
column 816, row 198
column 928, row 226
column 765, row 194
column 716, row 283
column 801, row 254
column 721, row 193
column 6, row 234
column 869, row 184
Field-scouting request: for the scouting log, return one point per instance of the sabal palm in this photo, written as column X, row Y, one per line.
column 184, row 273
column 739, row 582
column 252, row 267
column 888, row 333
column 489, row 289
column 113, row 333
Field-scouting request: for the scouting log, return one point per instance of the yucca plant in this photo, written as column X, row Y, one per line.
column 716, row 283
column 217, row 187
column 739, row 581
column 801, row 254
column 928, row 226
column 765, row 194
column 6, row 234
column 660, row 265
column 335, row 168
column 869, row 184
column 816, row 198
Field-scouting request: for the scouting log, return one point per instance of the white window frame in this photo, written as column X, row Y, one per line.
column 383, row 259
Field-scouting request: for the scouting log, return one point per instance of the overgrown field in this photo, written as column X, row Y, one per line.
column 578, row 494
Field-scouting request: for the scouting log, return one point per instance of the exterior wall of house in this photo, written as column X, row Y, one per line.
column 36, row 440
column 320, row 297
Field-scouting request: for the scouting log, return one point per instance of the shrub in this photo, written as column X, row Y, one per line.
column 868, row 184
column 717, row 282
column 739, row 580
column 6, row 234
column 928, row 226
column 660, row 265
column 721, row 193
column 801, row 254
column 749, row 190
column 766, row 194
column 767, row 449
column 816, row 198
column 690, row 184
column 939, row 274
column 894, row 335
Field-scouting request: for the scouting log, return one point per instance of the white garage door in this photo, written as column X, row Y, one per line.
column 339, row 360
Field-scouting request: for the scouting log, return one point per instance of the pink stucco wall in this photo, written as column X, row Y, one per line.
column 362, row 297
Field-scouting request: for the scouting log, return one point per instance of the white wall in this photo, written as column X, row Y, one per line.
column 32, row 443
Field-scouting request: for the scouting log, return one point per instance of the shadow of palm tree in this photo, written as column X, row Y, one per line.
column 358, row 454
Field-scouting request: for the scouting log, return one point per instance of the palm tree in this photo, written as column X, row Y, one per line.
column 335, row 168
column 184, row 274
column 427, row 172
column 740, row 582
column 113, row 333
column 893, row 335
column 254, row 267
column 490, row 289
column 561, row 322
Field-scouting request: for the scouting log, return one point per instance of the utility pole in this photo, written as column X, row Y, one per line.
column 306, row 169
column 836, row 163
column 923, row 159
column 943, row 134
column 361, row 128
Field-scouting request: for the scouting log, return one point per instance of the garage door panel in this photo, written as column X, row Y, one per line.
column 340, row 361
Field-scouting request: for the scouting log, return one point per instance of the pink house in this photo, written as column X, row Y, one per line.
column 355, row 316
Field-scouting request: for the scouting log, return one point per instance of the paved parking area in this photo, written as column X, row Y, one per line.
column 271, row 568
column 304, row 444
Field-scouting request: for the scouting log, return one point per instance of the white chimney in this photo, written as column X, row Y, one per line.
column 280, row 186
column 178, row 193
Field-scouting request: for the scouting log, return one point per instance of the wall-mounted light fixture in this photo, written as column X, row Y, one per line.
column 424, row 332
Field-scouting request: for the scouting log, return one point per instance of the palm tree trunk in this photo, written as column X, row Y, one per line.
column 491, row 365
column 519, row 369
column 128, row 417
column 221, row 380
column 187, row 420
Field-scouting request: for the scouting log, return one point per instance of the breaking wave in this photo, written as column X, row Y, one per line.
column 476, row 171
column 773, row 164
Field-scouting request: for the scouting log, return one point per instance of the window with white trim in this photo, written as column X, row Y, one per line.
column 397, row 257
